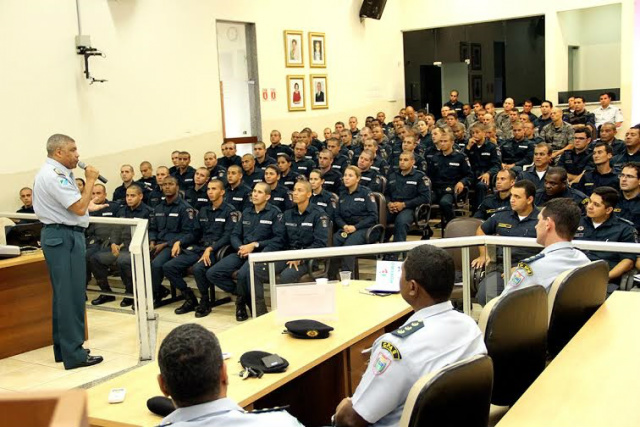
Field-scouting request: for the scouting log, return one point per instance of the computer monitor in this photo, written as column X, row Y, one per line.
column 25, row 234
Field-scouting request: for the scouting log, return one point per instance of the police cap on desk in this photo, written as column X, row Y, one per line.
column 307, row 329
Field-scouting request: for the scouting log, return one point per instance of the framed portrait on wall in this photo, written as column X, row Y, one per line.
column 319, row 91
column 293, row 49
column 476, row 87
column 476, row 56
column 295, row 93
column 317, row 50
column 464, row 51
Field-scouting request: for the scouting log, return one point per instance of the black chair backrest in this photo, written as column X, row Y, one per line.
column 462, row 227
column 457, row 395
column 381, row 201
column 383, row 183
column 574, row 300
column 515, row 333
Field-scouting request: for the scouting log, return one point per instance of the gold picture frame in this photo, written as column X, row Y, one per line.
column 293, row 48
column 319, row 91
column 317, row 50
column 296, row 97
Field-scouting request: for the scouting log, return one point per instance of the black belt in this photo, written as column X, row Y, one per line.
column 70, row 227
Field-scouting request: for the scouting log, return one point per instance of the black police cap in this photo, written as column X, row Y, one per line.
column 307, row 329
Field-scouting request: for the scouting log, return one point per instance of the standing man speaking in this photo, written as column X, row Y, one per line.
column 63, row 210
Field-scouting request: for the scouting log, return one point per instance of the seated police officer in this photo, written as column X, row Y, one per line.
column 407, row 189
column 193, row 373
column 500, row 199
column 237, row 192
column 287, row 176
column 379, row 164
column 301, row 164
column 252, row 173
column 629, row 204
column 578, row 159
column 518, row 221
column 319, row 196
column 602, row 175
column 433, row 337
column 450, row 173
column 215, row 170
column 118, row 251
column 260, row 230
column 556, row 186
column 197, row 195
column 485, row 161
column 608, row 135
column 332, row 177
column 26, row 197
column 280, row 195
column 171, row 225
column 185, row 173
column 98, row 235
column 632, row 152
column 558, row 222
column 306, row 227
column 602, row 225
column 126, row 174
column 517, row 152
column 340, row 161
column 157, row 195
column 541, row 163
column 276, row 148
column 229, row 156
column 212, row 231
column 369, row 177
column 355, row 213
column 260, row 153
column 147, row 181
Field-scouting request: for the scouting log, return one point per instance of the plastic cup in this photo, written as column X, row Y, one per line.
column 322, row 281
column 345, row 278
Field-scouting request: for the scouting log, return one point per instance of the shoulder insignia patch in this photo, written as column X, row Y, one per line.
column 526, row 268
column 191, row 213
column 581, row 228
column 585, row 201
column 533, row 258
column 392, row 350
column 516, row 279
column 324, row 220
column 504, row 225
column 235, row 216
column 381, row 364
column 265, row 410
column 372, row 197
column 408, row 329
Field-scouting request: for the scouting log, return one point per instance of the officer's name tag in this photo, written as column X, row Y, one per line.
column 522, row 146
column 278, row 199
column 266, row 221
column 304, row 168
column 364, row 178
column 306, row 224
column 237, row 199
column 358, row 199
column 203, row 200
column 454, row 164
column 288, row 182
column 290, row 224
column 485, row 154
column 174, row 214
column 220, row 220
column 335, row 166
column 375, row 168
column 107, row 214
column 412, row 183
column 188, row 180
column 322, row 204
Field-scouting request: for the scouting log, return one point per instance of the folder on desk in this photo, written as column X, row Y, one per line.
column 387, row 277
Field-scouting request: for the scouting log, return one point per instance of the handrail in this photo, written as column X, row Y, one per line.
column 141, row 273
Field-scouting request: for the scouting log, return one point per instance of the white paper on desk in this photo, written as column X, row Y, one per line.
column 387, row 277
column 306, row 300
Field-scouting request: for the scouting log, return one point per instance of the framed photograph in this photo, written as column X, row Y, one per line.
column 293, row 49
column 464, row 51
column 476, row 56
column 476, row 87
column 319, row 92
column 317, row 50
column 295, row 93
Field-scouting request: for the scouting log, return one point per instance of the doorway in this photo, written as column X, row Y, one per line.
column 239, row 86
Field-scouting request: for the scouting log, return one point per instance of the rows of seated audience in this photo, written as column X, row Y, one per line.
column 293, row 196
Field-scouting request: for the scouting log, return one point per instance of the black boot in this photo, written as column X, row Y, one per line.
column 241, row 309
column 190, row 302
column 104, row 286
column 204, row 308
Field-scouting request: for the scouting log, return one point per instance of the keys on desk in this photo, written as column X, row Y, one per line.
column 250, row 372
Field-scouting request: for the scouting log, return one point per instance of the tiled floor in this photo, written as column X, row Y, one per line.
column 112, row 335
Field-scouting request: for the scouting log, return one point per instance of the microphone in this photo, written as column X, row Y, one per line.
column 83, row 165
column 160, row 405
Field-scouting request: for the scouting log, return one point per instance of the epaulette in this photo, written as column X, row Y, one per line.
column 533, row 258
column 408, row 329
column 626, row 221
column 265, row 410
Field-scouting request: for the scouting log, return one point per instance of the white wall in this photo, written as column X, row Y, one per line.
column 163, row 89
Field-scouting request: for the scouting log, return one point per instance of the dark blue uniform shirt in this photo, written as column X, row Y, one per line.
column 214, row 226
column 264, row 227
column 239, row 197
column 507, row 223
column 414, row 189
column 629, row 209
column 447, row 171
column 172, row 222
column 358, row 208
column 614, row 229
column 516, row 152
column 306, row 230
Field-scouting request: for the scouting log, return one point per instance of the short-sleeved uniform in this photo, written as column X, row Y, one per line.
column 593, row 179
column 579, row 197
column 431, row 339
column 63, row 244
column 542, row 269
column 491, row 204
column 276, row 150
column 225, row 413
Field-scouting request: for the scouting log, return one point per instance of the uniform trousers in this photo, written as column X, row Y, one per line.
column 63, row 247
column 221, row 274
column 91, row 250
column 402, row 222
column 445, row 201
column 175, row 268
column 157, row 271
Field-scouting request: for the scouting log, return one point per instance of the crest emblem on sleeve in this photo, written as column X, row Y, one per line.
column 234, row 216
column 395, row 353
column 381, row 364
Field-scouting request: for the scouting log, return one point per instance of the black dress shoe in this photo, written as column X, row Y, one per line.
column 186, row 307
column 241, row 312
column 102, row 299
column 126, row 302
column 91, row 360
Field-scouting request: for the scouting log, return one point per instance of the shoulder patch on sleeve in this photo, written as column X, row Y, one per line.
column 516, row 279
column 324, row 220
column 408, row 329
column 381, row 363
column 392, row 350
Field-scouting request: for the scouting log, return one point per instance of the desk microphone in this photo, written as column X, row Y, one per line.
column 83, row 165
column 160, row 405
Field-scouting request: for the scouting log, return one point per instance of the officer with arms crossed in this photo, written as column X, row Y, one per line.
column 194, row 374
column 435, row 336
column 64, row 212
column 557, row 224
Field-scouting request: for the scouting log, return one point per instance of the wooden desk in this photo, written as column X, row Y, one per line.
column 594, row 379
column 25, row 304
column 321, row 372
